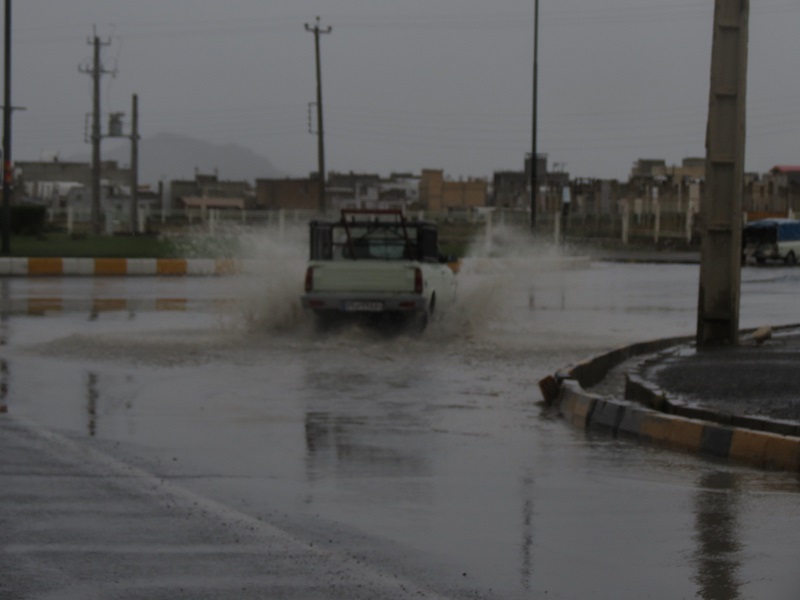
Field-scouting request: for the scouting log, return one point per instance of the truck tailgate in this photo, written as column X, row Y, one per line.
column 363, row 276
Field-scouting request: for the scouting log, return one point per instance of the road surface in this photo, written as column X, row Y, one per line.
column 395, row 465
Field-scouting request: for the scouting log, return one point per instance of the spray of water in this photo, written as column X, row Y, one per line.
column 496, row 276
column 268, row 292
column 495, row 292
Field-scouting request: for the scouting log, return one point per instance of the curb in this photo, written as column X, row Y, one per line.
column 740, row 440
column 44, row 267
column 757, row 448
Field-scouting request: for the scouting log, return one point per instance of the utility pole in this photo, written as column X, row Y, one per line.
column 534, row 151
column 8, row 173
column 316, row 30
column 8, row 165
column 135, row 165
column 721, row 211
column 96, row 71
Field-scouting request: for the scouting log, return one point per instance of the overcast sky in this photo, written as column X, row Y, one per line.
column 407, row 84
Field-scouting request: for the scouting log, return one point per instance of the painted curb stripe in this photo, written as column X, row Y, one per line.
column 171, row 266
column 749, row 446
column 110, row 267
column 758, row 448
column 45, row 266
column 577, row 407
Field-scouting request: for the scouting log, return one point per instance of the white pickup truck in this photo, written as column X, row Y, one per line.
column 379, row 266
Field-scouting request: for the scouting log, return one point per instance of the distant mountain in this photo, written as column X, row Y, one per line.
column 168, row 156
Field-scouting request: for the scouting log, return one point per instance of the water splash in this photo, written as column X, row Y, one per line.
column 268, row 292
column 496, row 279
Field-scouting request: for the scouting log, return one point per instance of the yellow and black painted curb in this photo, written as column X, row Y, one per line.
column 42, row 267
column 620, row 418
column 737, row 438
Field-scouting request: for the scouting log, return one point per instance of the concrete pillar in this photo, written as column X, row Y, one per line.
column 721, row 206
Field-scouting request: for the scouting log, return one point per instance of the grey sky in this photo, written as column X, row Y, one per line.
column 407, row 85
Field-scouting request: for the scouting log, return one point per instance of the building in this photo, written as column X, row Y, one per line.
column 289, row 194
column 510, row 189
column 353, row 190
column 210, row 186
column 691, row 169
column 776, row 193
column 436, row 194
column 401, row 190
column 51, row 182
column 648, row 168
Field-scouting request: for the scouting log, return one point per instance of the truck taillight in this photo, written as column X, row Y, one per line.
column 309, row 279
column 418, row 280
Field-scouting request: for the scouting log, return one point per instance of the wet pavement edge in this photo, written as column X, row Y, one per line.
column 759, row 443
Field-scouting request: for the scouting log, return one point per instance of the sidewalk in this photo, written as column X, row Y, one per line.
column 740, row 403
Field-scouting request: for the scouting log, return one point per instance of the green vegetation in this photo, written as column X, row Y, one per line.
column 62, row 245
column 454, row 239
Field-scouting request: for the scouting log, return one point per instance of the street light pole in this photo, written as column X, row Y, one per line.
column 534, row 158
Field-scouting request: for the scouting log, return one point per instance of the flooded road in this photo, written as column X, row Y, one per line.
column 428, row 458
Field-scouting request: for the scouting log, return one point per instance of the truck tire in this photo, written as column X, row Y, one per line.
column 420, row 322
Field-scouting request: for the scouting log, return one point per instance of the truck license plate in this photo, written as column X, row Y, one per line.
column 363, row 306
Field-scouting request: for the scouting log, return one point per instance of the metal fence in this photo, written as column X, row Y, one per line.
column 656, row 223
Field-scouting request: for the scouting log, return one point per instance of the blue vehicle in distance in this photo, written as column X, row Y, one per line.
column 771, row 239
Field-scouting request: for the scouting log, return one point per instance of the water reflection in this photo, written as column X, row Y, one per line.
column 91, row 405
column 339, row 444
column 3, row 384
column 527, row 532
column 44, row 305
column 718, row 547
column 5, row 294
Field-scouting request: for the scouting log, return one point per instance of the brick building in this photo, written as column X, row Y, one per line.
column 436, row 194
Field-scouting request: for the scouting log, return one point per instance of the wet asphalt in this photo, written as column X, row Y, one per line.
column 752, row 379
column 76, row 524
